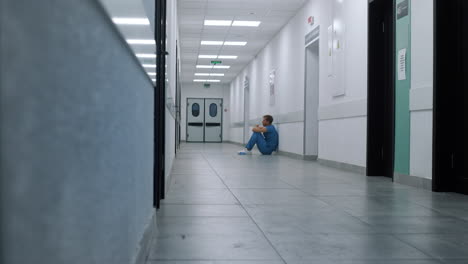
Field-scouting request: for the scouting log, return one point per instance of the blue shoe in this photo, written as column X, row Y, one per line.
column 244, row 152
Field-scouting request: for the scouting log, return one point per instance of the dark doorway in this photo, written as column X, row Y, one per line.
column 381, row 93
column 160, row 104
column 450, row 96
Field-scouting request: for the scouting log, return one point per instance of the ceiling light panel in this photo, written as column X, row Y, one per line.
column 204, row 66
column 212, row 43
column 152, row 73
column 246, row 23
column 146, row 55
column 198, row 80
column 222, row 23
column 227, row 57
column 142, row 41
column 235, row 43
column 202, row 74
column 214, row 81
column 221, row 67
column 217, row 74
column 130, row 21
column 149, row 65
column 208, row 57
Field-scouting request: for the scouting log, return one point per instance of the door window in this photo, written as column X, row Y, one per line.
column 213, row 110
column 195, row 110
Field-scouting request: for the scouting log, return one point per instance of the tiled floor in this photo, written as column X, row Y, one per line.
column 227, row 209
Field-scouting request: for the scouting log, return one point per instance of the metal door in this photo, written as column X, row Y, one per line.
column 195, row 120
column 213, row 120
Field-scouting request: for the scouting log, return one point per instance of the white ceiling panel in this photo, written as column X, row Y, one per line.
column 273, row 14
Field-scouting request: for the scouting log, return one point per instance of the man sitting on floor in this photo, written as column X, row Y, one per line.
column 266, row 138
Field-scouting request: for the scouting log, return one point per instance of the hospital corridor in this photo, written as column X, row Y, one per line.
column 233, row 132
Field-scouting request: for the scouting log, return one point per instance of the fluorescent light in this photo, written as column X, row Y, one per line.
column 221, row 67
column 198, row 80
column 216, row 74
column 235, row 43
column 146, row 55
column 152, row 73
column 246, row 23
column 207, row 56
column 227, row 57
column 149, row 65
column 204, row 66
column 212, row 43
column 141, row 41
column 202, row 74
column 153, row 80
column 215, row 81
column 218, row 23
column 131, row 21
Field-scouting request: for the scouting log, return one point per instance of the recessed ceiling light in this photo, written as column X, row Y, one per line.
column 227, row 57
column 218, row 22
column 235, row 43
column 213, row 81
column 141, row 41
column 216, row 74
column 207, row 56
column 131, row 21
column 221, row 67
column 152, row 73
column 198, row 80
column 202, row 74
column 212, row 43
column 149, row 65
column 153, row 80
column 146, row 55
column 204, row 66
column 246, row 23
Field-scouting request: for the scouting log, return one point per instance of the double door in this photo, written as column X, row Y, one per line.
column 204, row 120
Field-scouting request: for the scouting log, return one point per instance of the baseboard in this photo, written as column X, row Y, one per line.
column 310, row 157
column 291, row 155
column 413, row 181
column 343, row 166
column 149, row 235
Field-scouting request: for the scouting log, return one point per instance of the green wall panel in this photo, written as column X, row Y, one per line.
column 402, row 97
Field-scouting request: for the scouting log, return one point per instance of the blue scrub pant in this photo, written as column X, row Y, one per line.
column 258, row 139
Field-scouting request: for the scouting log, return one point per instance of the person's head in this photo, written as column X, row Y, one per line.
column 267, row 120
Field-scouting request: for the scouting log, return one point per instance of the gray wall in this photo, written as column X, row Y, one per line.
column 76, row 136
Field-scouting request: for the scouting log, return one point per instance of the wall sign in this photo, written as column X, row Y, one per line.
column 403, row 9
column 272, row 81
column 402, row 65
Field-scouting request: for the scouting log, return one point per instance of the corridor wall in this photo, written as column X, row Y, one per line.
column 76, row 136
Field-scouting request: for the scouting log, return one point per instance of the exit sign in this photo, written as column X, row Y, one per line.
column 216, row 62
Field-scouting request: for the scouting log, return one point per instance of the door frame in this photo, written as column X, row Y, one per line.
column 204, row 119
column 159, row 176
column 369, row 163
column 442, row 181
column 313, row 42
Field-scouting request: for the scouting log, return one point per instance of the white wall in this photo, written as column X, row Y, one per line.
column 193, row 90
column 421, row 93
column 172, row 36
column 286, row 54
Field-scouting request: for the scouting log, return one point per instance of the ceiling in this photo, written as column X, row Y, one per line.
column 135, row 9
column 273, row 14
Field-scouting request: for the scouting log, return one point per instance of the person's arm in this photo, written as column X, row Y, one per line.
column 259, row 129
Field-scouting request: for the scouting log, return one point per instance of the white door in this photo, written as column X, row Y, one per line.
column 213, row 120
column 195, row 120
